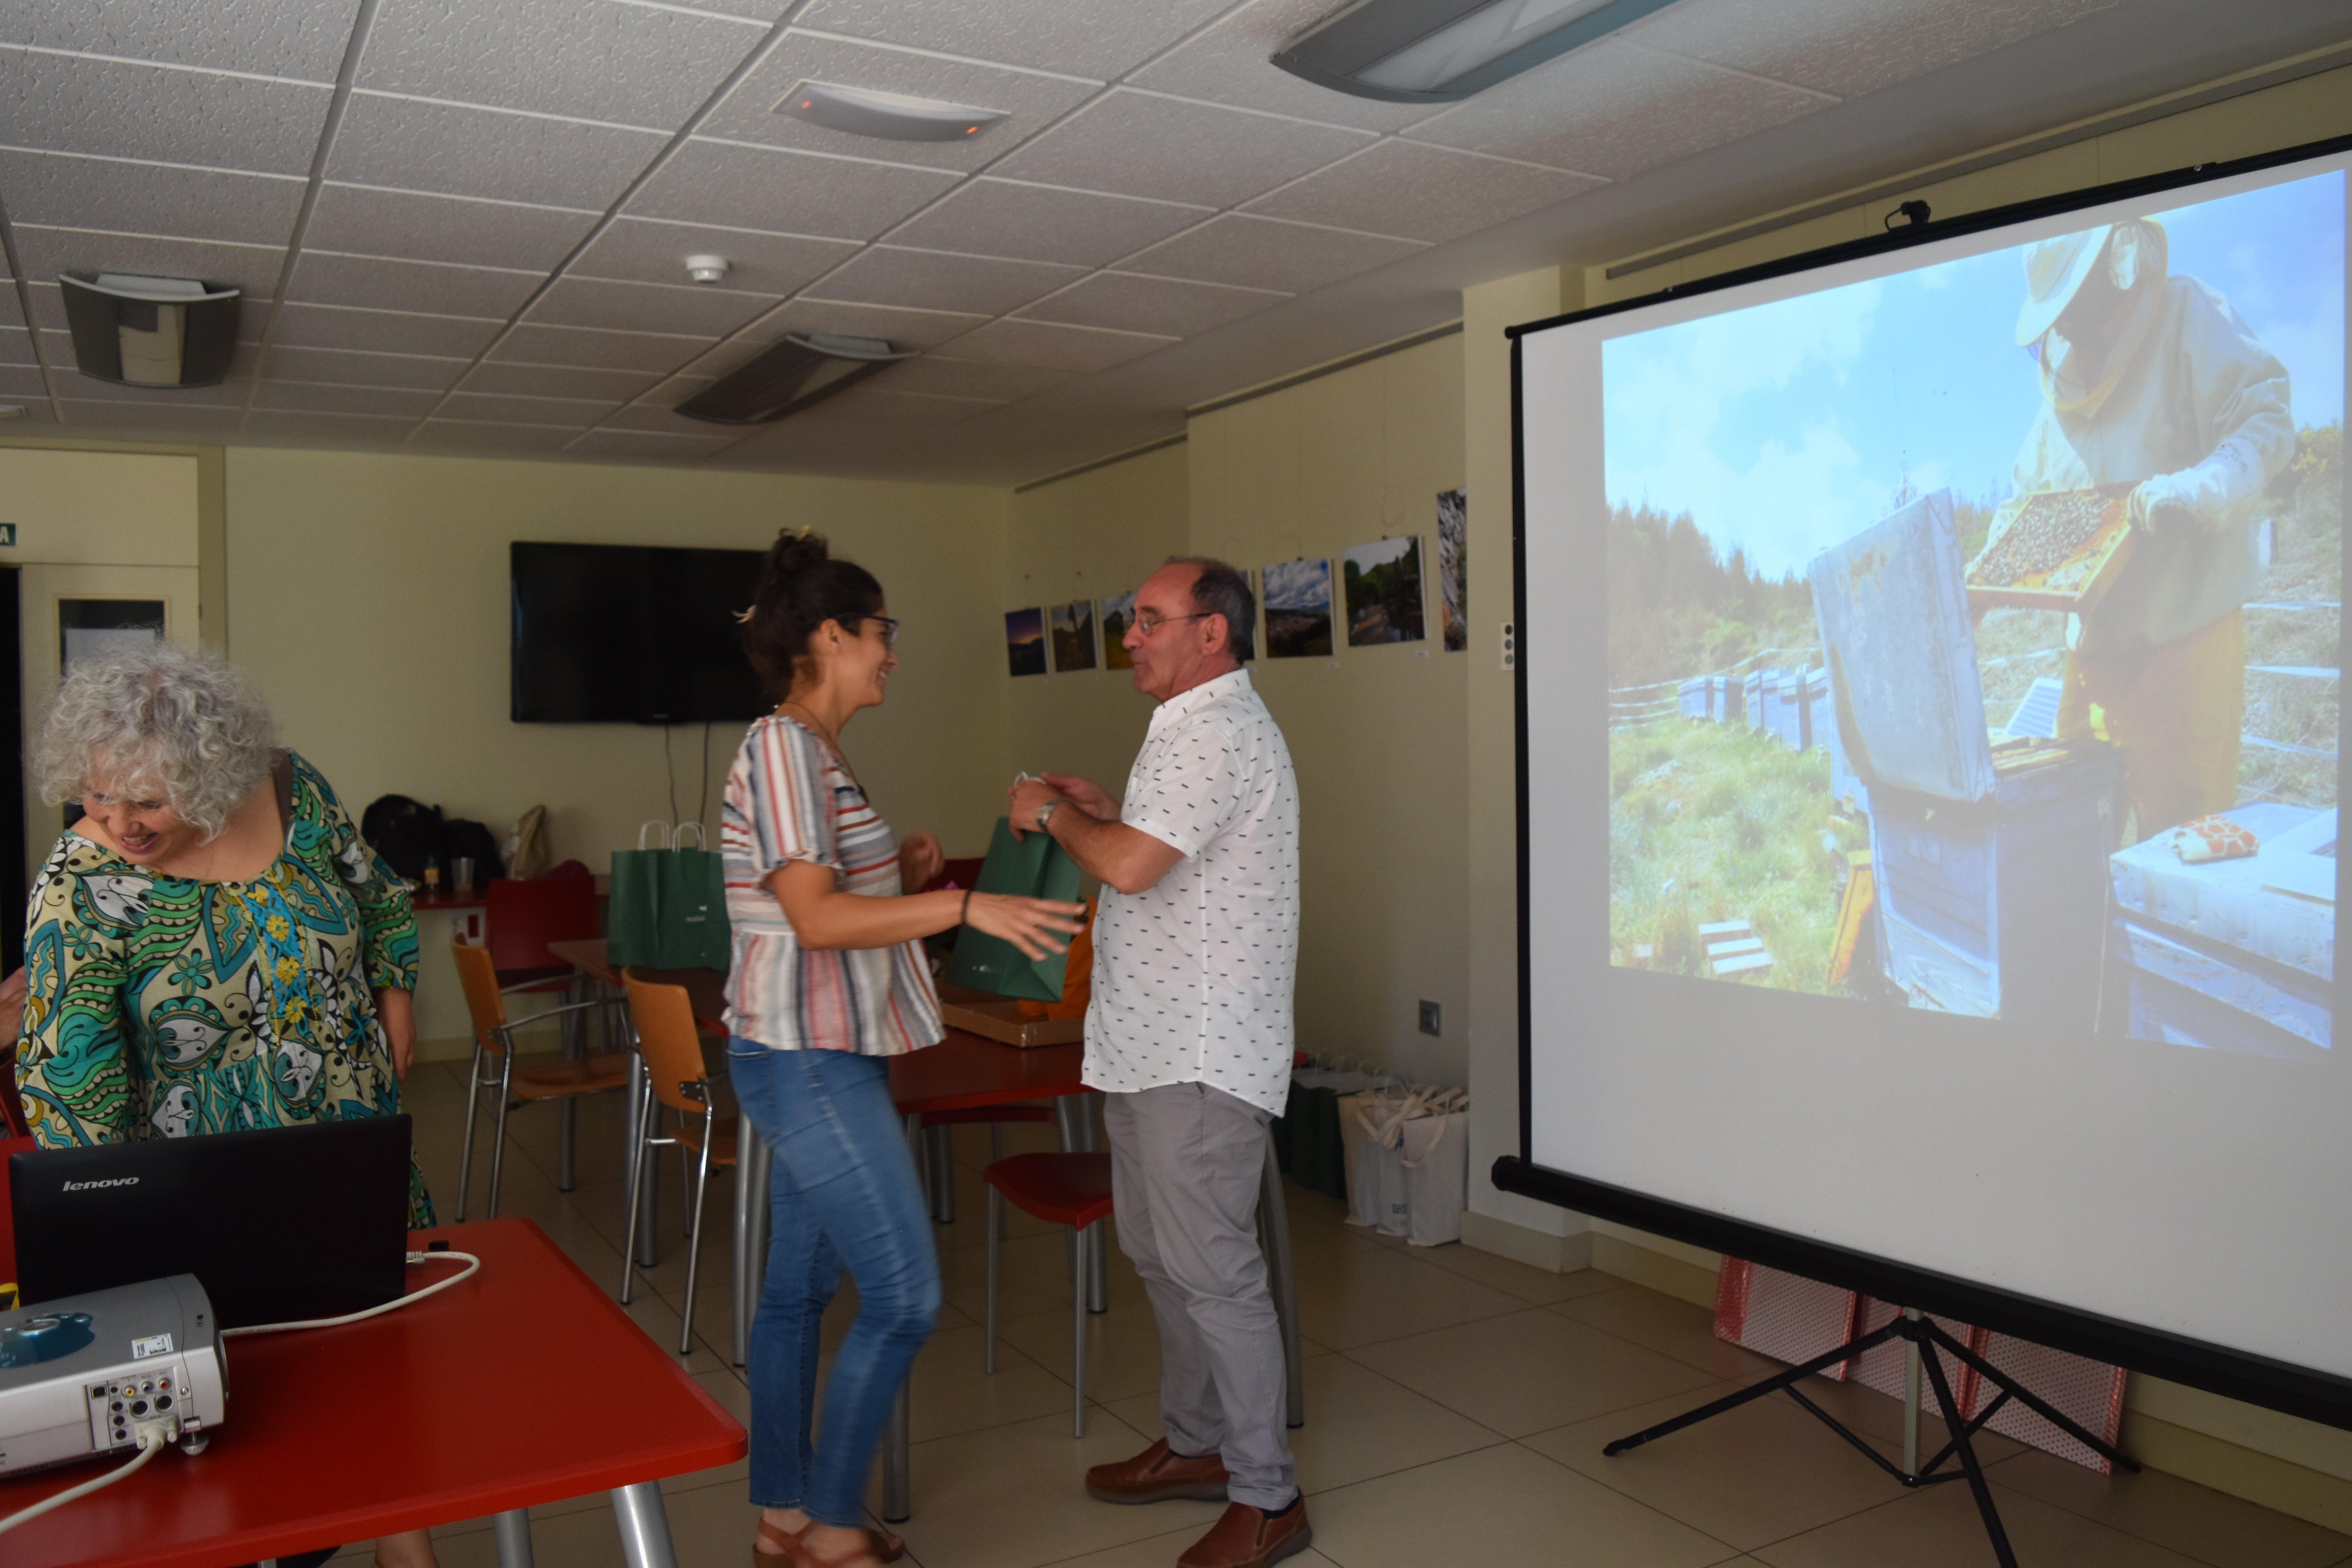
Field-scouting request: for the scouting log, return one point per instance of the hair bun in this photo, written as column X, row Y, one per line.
column 797, row 550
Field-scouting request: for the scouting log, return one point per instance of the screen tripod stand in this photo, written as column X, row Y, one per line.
column 1925, row 1338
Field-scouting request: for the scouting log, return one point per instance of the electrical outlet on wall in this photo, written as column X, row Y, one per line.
column 1510, row 646
column 1432, row 1018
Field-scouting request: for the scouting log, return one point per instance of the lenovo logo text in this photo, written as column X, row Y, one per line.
column 109, row 1181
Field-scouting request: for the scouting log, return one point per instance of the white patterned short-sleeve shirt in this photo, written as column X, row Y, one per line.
column 1193, row 975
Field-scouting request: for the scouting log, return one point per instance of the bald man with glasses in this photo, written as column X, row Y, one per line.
column 1189, row 1035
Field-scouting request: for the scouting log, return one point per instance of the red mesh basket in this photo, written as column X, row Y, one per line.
column 1784, row 1316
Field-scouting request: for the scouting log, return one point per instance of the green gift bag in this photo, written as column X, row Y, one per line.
column 668, row 906
column 1034, row 867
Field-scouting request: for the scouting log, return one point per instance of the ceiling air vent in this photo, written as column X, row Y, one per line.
column 891, row 115
column 150, row 332
column 795, row 373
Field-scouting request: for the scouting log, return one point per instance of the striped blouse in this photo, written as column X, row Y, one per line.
column 791, row 797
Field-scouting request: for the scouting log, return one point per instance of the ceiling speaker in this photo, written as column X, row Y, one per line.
column 150, row 332
column 795, row 373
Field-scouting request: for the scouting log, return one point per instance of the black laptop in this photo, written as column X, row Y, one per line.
column 279, row 1225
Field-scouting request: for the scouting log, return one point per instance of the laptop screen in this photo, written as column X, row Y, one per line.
column 282, row 1224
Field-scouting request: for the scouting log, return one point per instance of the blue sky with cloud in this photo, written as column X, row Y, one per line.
column 1785, row 427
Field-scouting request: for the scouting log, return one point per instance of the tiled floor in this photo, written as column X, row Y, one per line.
column 1457, row 1404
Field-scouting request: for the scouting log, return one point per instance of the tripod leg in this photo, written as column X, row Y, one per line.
column 1794, row 1375
column 1933, row 1365
column 2098, row 1446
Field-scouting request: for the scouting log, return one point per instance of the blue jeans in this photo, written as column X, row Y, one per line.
column 842, row 1192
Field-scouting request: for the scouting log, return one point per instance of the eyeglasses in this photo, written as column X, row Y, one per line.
column 1147, row 623
column 889, row 630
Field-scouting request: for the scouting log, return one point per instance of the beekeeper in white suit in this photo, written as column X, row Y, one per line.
column 2154, row 381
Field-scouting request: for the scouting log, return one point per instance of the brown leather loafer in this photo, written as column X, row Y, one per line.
column 1156, row 1475
column 1246, row 1538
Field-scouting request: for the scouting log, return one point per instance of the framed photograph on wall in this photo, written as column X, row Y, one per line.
column 1117, row 614
column 1298, row 609
column 1383, row 582
column 1454, row 567
column 1024, row 641
column 1073, row 627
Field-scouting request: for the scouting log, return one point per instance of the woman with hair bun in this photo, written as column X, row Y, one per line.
column 828, row 982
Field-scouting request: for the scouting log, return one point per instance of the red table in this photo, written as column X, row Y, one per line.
column 525, row 1385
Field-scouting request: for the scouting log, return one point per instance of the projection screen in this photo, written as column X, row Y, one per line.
column 1928, row 701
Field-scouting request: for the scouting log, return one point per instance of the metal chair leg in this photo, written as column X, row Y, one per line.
column 995, row 1218
column 498, row 1149
column 996, row 1152
column 941, row 1151
column 473, row 1106
column 693, row 1237
column 639, row 1136
column 1079, row 1251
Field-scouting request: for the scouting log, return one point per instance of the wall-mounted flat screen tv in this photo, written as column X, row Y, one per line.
column 630, row 633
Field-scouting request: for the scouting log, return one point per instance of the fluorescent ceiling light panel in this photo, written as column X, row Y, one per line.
column 891, row 115
column 1442, row 52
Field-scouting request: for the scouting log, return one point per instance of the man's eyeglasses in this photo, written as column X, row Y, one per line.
column 1147, row 623
column 889, row 630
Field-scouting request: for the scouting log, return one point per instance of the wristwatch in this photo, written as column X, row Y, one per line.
column 1045, row 811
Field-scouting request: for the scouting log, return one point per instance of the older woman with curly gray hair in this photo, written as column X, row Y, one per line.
column 210, row 947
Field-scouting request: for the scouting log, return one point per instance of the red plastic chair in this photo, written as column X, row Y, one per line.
column 524, row 917
column 1060, row 1189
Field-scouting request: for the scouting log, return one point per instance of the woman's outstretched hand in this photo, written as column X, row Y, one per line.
column 1035, row 926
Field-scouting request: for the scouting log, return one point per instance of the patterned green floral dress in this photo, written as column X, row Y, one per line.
column 159, row 1007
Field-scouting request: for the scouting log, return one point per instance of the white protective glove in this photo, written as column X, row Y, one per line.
column 2204, row 498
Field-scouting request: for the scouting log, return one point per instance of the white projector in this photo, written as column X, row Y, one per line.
column 78, row 1375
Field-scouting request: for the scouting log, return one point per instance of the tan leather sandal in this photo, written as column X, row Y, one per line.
column 880, row 1544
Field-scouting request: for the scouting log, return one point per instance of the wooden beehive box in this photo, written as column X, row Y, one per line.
column 2236, row 955
column 2065, row 549
column 1691, row 698
column 1000, row 1018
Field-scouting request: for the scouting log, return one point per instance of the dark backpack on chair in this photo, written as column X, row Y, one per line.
column 405, row 831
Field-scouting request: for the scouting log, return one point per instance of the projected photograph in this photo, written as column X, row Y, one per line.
column 1384, row 590
column 1298, row 609
column 1973, row 631
column 1074, row 635
column 1117, row 614
column 1024, row 641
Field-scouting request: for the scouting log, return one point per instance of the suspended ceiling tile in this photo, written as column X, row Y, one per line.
column 325, row 397
column 16, row 346
column 359, row 221
column 35, row 411
column 648, row 414
column 902, row 329
column 1138, row 144
column 1851, row 47
column 558, row 381
column 12, row 314
column 1043, row 223
column 659, row 352
column 556, row 56
column 1048, row 346
column 1615, row 109
column 144, row 198
column 1232, row 63
column 1265, row 253
column 784, row 192
column 45, row 252
column 22, row 381
column 604, row 441
column 516, row 438
column 303, row 39
column 672, row 391
column 68, row 104
column 1029, row 101
column 68, row 382
column 325, row 424
column 1098, row 39
column 646, row 251
column 456, row 150
column 381, row 331
column 327, row 278
column 968, row 378
column 1167, row 306
column 498, row 409
column 164, row 418
column 647, row 307
column 351, row 369
column 1414, row 192
column 935, row 281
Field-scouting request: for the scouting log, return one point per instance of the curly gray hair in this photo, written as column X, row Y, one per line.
column 160, row 721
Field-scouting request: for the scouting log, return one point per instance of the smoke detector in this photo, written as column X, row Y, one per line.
column 889, row 115
column 706, row 268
